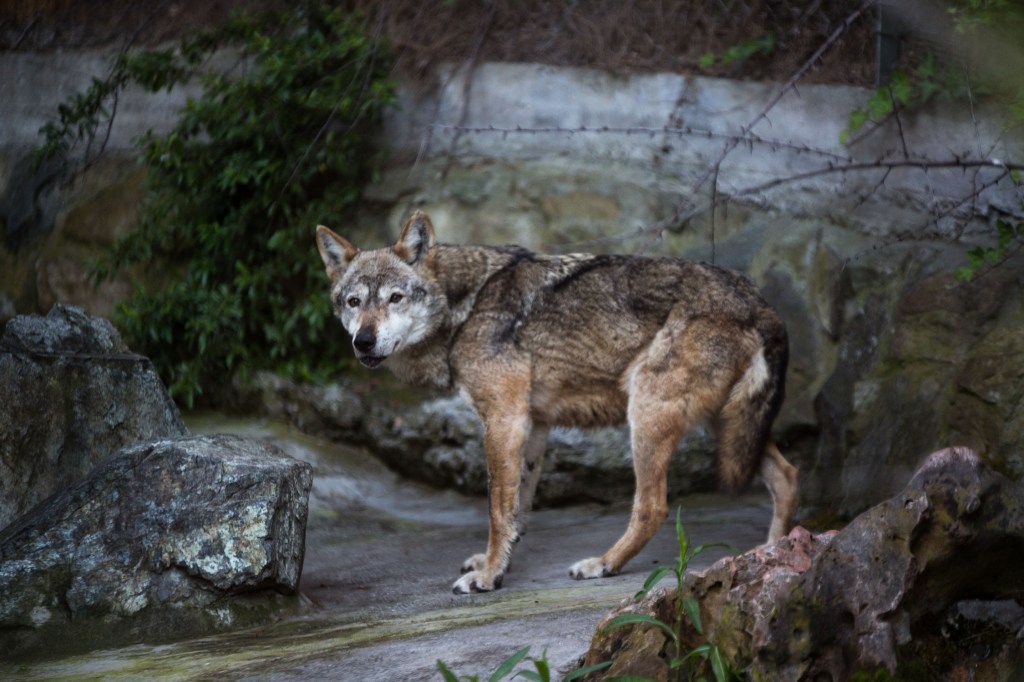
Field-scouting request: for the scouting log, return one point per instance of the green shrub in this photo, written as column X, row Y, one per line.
column 271, row 148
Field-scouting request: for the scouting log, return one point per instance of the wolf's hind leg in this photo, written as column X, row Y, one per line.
column 666, row 399
column 781, row 478
column 652, row 450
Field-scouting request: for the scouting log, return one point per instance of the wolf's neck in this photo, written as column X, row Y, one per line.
column 461, row 272
column 425, row 364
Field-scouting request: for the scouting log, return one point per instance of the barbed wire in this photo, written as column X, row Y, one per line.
column 649, row 131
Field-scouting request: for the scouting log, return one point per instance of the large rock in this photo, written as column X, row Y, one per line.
column 890, row 357
column 151, row 543
column 440, row 440
column 71, row 393
column 896, row 590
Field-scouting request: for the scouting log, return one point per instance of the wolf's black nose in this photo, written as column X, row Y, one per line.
column 365, row 340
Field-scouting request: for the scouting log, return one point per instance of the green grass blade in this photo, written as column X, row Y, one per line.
column 719, row 666
column 681, row 538
column 704, row 650
column 543, row 673
column 652, row 580
column 692, row 609
column 700, row 548
column 508, row 664
column 639, row 618
column 447, row 674
column 586, row 670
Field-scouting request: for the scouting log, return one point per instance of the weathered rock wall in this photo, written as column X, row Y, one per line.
column 891, row 357
column 52, row 228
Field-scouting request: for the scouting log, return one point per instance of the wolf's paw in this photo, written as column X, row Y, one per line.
column 477, row 581
column 474, row 563
column 590, row 568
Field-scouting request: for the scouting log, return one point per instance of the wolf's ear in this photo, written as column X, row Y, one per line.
column 417, row 239
column 336, row 251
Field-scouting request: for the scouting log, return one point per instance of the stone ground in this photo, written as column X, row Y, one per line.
column 381, row 555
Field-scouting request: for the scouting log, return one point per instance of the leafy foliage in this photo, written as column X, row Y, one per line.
column 930, row 80
column 995, row 30
column 979, row 258
column 234, row 189
column 707, row 655
column 992, row 59
column 969, row 15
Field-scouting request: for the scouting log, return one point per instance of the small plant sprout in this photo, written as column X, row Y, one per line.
column 687, row 611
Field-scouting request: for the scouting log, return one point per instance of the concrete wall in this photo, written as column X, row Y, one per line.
column 799, row 134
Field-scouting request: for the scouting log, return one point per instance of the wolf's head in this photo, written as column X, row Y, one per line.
column 387, row 299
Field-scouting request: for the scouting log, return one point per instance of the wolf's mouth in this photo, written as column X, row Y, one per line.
column 371, row 361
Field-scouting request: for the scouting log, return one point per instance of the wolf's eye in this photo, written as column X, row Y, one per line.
column 396, row 297
column 353, row 302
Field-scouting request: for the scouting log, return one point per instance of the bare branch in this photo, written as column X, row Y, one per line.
column 679, row 219
column 899, row 124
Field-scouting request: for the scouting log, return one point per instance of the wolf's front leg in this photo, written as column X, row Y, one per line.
column 532, row 460
column 503, row 442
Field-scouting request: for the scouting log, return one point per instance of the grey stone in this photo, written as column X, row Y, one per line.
column 153, row 540
column 440, row 441
column 71, row 393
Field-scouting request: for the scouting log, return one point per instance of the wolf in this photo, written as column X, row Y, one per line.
column 535, row 341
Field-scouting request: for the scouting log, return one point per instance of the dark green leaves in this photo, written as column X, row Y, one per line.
column 981, row 257
column 265, row 153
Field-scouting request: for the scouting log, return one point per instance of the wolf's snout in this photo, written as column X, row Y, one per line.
column 365, row 340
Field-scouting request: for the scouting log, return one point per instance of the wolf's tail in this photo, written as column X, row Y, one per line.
column 744, row 423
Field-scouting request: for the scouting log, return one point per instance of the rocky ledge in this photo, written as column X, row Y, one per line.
column 440, row 440
column 926, row 585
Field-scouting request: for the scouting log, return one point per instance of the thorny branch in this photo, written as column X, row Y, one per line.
column 838, row 164
column 713, row 170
